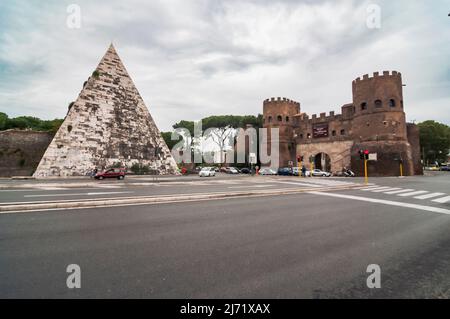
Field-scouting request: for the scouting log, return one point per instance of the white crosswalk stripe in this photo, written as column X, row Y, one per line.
column 375, row 189
column 442, row 200
column 399, row 191
column 408, row 192
column 428, row 196
column 412, row 193
column 387, row 190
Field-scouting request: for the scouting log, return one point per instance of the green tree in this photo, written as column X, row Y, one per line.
column 167, row 136
column 225, row 128
column 435, row 141
column 3, row 121
column 29, row 122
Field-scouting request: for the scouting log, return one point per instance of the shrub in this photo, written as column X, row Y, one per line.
column 96, row 74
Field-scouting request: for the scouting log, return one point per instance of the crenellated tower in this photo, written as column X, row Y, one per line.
column 378, row 102
column 279, row 113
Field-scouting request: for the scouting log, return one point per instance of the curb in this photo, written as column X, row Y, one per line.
column 92, row 203
column 89, row 183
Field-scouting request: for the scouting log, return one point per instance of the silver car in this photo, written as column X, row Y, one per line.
column 318, row 172
column 207, row 172
column 267, row 171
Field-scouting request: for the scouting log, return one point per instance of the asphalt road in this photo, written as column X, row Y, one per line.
column 294, row 246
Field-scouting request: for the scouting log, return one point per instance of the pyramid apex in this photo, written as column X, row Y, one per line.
column 112, row 48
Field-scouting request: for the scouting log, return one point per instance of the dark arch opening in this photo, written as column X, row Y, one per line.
column 378, row 103
column 392, row 103
column 322, row 161
column 279, row 118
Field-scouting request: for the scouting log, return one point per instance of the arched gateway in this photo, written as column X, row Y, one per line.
column 322, row 161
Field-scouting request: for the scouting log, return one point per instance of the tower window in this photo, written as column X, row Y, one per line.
column 378, row 103
column 309, row 135
column 342, row 132
column 392, row 103
column 270, row 119
column 301, row 136
column 280, row 118
column 287, row 118
column 333, row 133
column 363, row 106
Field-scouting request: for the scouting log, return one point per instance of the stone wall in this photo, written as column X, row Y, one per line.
column 388, row 155
column 21, row 151
column 414, row 141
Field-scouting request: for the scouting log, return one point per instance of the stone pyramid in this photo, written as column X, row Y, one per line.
column 107, row 125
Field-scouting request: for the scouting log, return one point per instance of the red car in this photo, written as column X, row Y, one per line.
column 118, row 173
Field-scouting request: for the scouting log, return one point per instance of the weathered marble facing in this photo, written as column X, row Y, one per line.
column 108, row 123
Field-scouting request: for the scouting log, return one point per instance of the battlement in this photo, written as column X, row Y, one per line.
column 279, row 100
column 322, row 117
column 384, row 74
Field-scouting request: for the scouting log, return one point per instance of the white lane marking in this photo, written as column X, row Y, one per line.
column 251, row 186
column 387, row 190
column 370, row 187
column 299, row 184
column 399, row 191
column 108, row 186
column 78, row 194
column 427, row 196
column 18, row 190
column 379, row 188
column 412, row 193
column 442, row 200
column 386, row 202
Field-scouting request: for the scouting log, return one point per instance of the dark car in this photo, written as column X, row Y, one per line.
column 285, row 171
column 118, row 173
column 245, row 170
column 445, row 168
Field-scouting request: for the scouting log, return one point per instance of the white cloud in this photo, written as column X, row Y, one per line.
column 191, row 59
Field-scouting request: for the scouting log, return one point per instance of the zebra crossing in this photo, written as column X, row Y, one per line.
column 436, row 197
column 320, row 182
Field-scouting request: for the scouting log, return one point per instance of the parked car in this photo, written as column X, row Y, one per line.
column 232, row 170
column 318, row 172
column 445, row 168
column 285, row 171
column 296, row 172
column 118, row 173
column 245, row 170
column 267, row 171
column 207, row 172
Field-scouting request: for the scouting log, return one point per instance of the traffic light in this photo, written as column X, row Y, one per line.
column 361, row 154
column 366, row 154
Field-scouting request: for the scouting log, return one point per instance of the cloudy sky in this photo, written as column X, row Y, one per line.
column 194, row 58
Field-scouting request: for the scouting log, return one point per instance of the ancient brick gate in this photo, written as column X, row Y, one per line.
column 333, row 156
